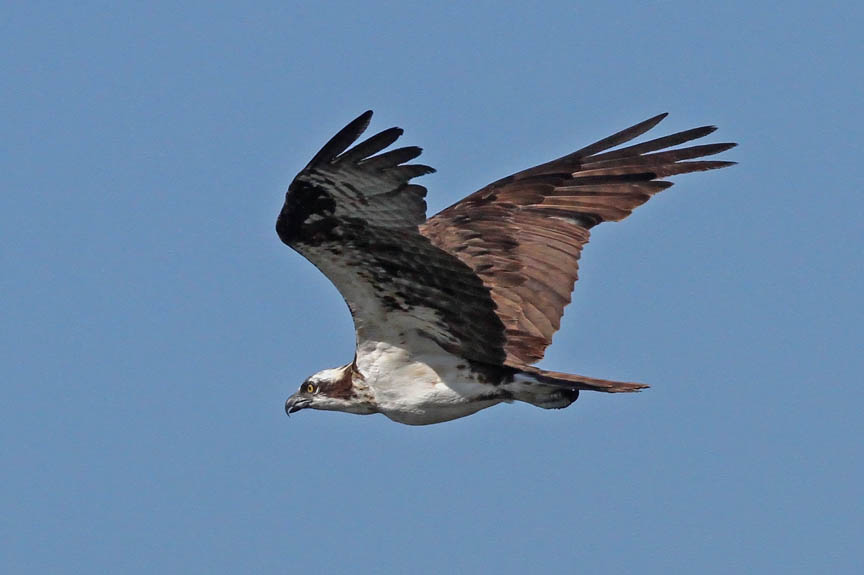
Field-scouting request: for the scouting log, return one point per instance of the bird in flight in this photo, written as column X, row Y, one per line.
column 450, row 312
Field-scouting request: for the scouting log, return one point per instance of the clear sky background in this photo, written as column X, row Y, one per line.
column 153, row 324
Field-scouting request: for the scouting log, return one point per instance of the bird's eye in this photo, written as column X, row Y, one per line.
column 310, row 388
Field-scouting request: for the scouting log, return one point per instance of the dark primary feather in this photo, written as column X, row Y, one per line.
column 343, row 138
column 355, row 216
column 523, row 235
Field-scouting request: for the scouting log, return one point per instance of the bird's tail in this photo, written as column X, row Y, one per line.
column 573, row 381
column 555, row 390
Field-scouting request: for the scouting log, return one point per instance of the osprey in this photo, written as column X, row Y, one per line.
column 451, row 311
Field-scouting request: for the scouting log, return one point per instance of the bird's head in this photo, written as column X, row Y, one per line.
column 331, row 390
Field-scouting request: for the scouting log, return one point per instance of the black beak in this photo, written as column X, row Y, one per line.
column 296, row 403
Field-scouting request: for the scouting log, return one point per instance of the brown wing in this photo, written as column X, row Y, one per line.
column 523, row 235
column 354, row 214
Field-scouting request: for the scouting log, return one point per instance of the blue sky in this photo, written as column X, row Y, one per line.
column 154, row 324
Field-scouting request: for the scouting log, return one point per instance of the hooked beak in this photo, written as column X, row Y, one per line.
column 296, row 403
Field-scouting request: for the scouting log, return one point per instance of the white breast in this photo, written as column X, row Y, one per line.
column 419, row 388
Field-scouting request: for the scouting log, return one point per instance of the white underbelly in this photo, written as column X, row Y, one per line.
column 420, row 389
column 443, row 405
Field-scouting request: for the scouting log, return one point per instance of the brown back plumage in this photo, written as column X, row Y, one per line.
column 523, row 235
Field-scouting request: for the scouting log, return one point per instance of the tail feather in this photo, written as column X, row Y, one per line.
column 580, row 382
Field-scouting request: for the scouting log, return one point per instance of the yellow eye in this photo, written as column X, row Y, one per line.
column 310, row 388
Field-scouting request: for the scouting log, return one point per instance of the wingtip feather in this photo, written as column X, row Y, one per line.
column 658, row 118
column 343, row 139
column 619, row 138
